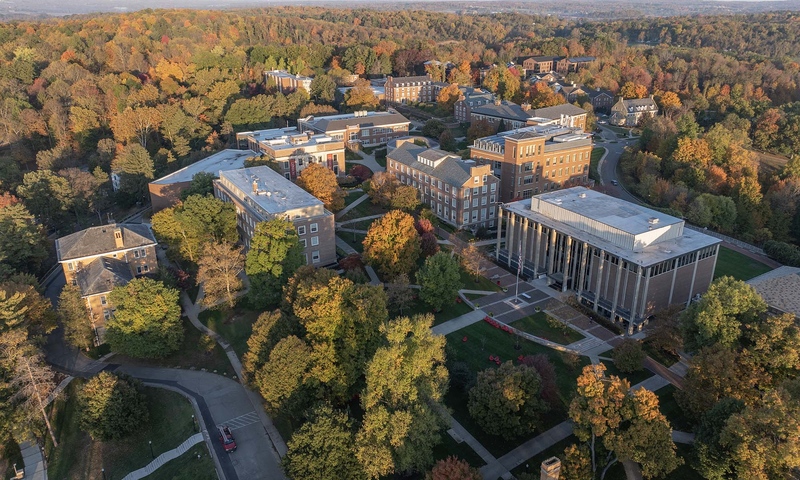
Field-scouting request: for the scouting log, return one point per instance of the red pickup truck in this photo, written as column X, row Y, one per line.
column 226, row 438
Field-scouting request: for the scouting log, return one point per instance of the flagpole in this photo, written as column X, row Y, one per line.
column 519, row 269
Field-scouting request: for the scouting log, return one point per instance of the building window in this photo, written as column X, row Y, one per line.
column 70, row 266
column 314, row 228
column 303, row 242
column 106, row 313
column 74, row 282
column 314, row 241
column 301, row 230
column 142, row 269
column 103, row 300
column 136, row 254
column 315, row 256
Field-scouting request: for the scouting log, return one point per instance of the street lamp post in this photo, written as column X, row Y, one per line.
column 150, row 442
column 194, row 423
column 103, row 471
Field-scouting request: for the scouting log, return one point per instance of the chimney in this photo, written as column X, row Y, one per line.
column 551, row 468
column 118, row 237
column 497, row 101
column 525, row 106
column 255, row 186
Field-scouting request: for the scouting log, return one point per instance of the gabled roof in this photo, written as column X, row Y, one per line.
column 100, row 240
column 506, row 109
column 102, row 275
column 581, row 59
column 450, row 169
column 593, row 93
column 334, row 123
column 543, row 58
column 407, row 80
column 633, row 105
column 780, row 288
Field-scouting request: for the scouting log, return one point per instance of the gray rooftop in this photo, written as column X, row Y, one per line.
column 275, row 194
column 639, row 104
column 448, row 168
column 780, row 288
column 555, row 113
column 102, row 275
column 280, row 138
column 636, row 233
column 225, row 160
column 409, row 80
column 100, row 240
column 556, row 137
column 506, row 110
column 333, row 123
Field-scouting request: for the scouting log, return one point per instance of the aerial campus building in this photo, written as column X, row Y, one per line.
column 623, row 260
column 261, row 194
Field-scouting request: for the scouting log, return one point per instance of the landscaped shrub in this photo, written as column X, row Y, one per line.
column 112, row 406
column 783, row 252
column 628, row 356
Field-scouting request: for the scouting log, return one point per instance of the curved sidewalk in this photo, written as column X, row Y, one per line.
column 165, row 457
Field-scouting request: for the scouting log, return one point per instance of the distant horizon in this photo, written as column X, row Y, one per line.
column 15, row 9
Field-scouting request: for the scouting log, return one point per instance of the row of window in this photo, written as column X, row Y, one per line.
column 314, row 242
column 138, row 253
column 313, row 228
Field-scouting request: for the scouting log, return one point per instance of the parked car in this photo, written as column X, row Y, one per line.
column 614, row 182
column 226, row 438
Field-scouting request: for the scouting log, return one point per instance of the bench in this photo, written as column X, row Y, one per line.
column 525, row 296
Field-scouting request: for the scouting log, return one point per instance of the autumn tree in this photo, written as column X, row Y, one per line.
column 146, row 321
column 321, row 182
column 405, row 384
column 479, row 129
column 473, row 260
column 323, row 448
column 405, row 198
column 448, row 96
column 633, row 90
column 502, row 82
column 392, row 244
column 453, row 468
column 283, row 380
column 220, row 266
column 270, row 328
column 669, row 102
column 32, row 382
column 540, row 95
column 112, row 406
column 135, row 168
column 577, row 463
column 75, row 318
column 198, row 221
column 506, row 401
column 440, row 280
column 275, row 253
column 360, row 97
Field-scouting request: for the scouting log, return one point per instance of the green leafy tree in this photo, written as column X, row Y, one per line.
column 502, row 82
column 506, row 401
column 23, row 307
column 23, row 245
column 405, row 198
column 198, row 221
column 112, row 406
column 275, row 253
column 283, row 379
column 577, row 463
column 718, row 317
column 321, row 182
column 147, row 319
column 74, row 318
column 135, row 168
column 714, row 460
column 405, row 384
column 47, row 196
column 269, row 329
column 323, row 448
column 440, row 280
column 433, row 128
column 202, row 184
column 323, row 88
column 774, row 345
column 392, row 244
column 628, row 355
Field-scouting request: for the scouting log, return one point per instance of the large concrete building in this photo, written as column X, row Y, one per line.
column 166, row 191
column 98, row 259
column 287, row 82
column 621, row 259
column 294, row 150
column 358, row 129
column 535, row 159
column 261, row 194
column 460, row 192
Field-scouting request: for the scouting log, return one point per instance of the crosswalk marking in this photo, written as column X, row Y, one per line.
column 241, row 421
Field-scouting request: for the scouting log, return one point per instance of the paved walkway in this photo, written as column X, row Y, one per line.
column 458, row 323
column 341, row 213
column 467, row 438
column 368, row 160
column 165, row 457
column 522, row 453
column 346, row 248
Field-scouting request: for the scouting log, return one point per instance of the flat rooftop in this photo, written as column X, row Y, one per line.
column 279, row 138
column 633, row 232
column 273, row 193
column 362, row 118
column 229, row 159
column 553, row 135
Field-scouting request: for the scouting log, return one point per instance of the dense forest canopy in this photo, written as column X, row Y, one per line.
column 148, row 92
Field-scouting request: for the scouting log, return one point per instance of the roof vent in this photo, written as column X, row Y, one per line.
column 581, row 195
column 653, row 221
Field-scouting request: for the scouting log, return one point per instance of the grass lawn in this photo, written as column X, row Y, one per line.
column 633, row 377
column 556, row 450
column 738, row 266
column 197, row 350
column 354, row 240
column 671, row 409
column 684, row 472
column 351, row 155
column 597, row 152
column 364, row 209
column 380, row 157
column 236, row 326
column 461, row 450
column 665, row 358
column 448, row 312
column 484, row 340
column 78, row 456
column 483, row 283
column 352, row 197
column 538, row 325
column 188, row 466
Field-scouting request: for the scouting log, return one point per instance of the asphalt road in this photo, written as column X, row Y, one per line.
column 608, row 169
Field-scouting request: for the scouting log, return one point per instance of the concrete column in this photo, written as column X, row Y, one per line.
column 714, row 267
column 599, row 278
column 551, row 260
column 524, row 241
column 616, row 288
column 537, row 250
column 510, row 235
column 567, row 255
column 635, row 299
column 499, row 230
column 646, row 290
column 582, row 265
column 672, row 287
column 694, row 276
